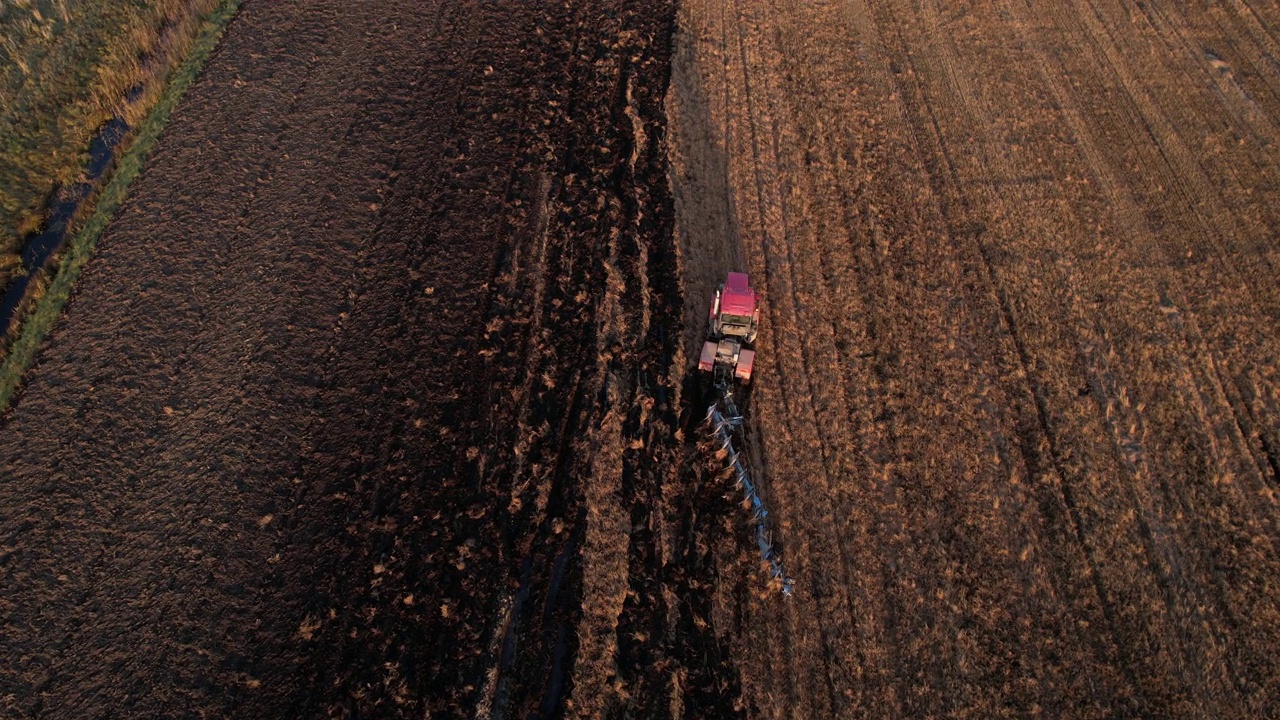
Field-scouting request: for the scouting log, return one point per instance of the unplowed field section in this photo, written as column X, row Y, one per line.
column 1017, row 404
column 350, row 412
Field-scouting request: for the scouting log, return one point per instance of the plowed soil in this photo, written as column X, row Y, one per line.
column 1018, row 399
column 325, row 428
column 376, row 402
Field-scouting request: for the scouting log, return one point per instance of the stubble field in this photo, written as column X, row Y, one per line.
column 1017, row 402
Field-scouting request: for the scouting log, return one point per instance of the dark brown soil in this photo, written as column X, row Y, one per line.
column 375, row 401
column 327, row 427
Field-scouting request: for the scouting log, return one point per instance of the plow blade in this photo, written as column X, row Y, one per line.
column 722, row 420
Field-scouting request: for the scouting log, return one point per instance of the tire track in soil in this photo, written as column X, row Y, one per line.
column 757, row 216
column 827, row 398
column 1006, row 167
column 1208, row 436
column 838, row 632
column 973, row 351
column 890, row 287
column 1016, row 454
column 1018, row 190
column 1107, row 381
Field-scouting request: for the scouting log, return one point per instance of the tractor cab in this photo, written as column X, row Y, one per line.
column 732, row 325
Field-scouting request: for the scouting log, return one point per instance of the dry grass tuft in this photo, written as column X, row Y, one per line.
column 66, row 67
column 206, row 20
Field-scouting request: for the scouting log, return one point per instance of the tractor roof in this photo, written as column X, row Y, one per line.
column 738, row 298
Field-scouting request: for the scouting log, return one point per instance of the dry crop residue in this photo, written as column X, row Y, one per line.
column 1017, row 399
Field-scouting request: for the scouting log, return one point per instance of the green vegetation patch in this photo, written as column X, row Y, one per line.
column 41, row 319
column 65, row 68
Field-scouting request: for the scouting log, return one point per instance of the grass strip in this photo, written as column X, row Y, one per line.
column 42, row 318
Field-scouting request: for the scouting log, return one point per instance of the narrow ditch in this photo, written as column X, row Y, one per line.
column 61, row 210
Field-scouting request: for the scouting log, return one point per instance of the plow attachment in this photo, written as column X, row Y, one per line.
column 722, row 420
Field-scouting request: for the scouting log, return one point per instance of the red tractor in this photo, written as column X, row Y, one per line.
column 732, row 326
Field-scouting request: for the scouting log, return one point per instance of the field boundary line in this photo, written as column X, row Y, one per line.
column 37, row 325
